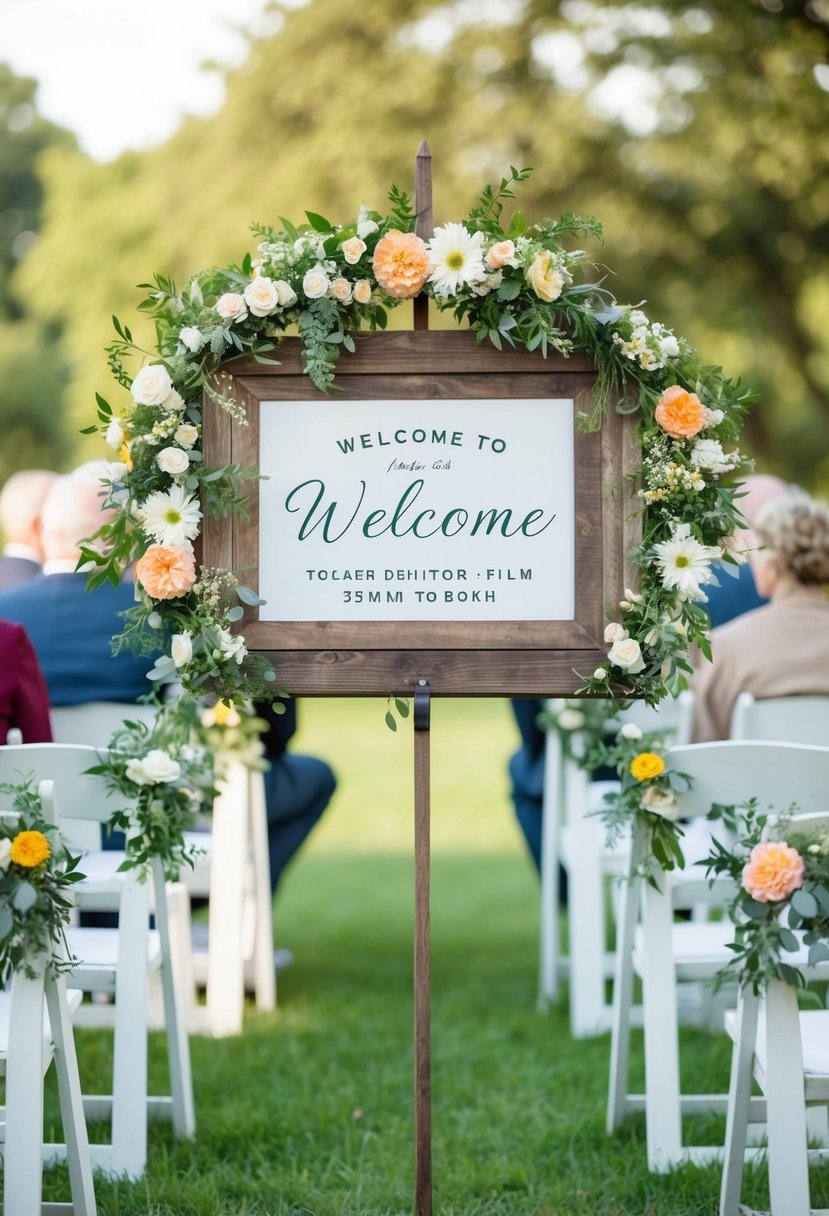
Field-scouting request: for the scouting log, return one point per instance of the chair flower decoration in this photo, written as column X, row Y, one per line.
column 515, row 284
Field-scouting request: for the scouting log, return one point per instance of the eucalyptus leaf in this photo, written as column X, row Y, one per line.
column 788, row 940
column 819, row 952
column 236, row 614
column 804, row 903
column 6, row 922
column 248, row 596
column 25, row 897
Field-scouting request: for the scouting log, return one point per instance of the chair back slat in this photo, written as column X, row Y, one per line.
column 785, row 719
column 731, row 772
column 95, row 722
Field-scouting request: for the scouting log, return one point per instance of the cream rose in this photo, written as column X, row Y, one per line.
column 5, row 853
column 362, row 291
column 231, row 306
column 173, row 401
column 172, row 461
column 262, row 296
column 135, row 772
column 544, row 277
column 181, row 648
column 570, row 719
column 186, row 435
column 627, row 654
column 501, row 254
column 160, row 768
column 152, row 385
column 340, row 289
column 631, row 731
column 287, row 295
column 353, row 250
column 614, row 632
column 115, row 434
column 660, row 802
column 192, row 337
column 316, row 283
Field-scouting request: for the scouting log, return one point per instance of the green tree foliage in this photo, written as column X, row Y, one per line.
column 32, row 379
column 715, row 201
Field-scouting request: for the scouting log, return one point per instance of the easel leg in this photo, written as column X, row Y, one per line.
column 422, row 958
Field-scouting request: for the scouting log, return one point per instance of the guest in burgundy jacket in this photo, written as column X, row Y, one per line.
column 24, row 701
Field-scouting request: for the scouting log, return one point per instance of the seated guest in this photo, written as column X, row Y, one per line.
column 21, row 503
column 70, row 627
column 734, row 596
column 24, row 701
column 781, row 649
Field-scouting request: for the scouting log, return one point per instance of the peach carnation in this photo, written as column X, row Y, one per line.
column 680, row 414
column 166, row 572
column 772, row 871
column 401, row 264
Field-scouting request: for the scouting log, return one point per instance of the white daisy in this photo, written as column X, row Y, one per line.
column 456, row 258
column 685, row 564
column 171, row 518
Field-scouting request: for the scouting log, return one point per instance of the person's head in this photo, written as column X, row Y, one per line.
column 21, row 504
column 793, row 533
column 756, row 491
column 72, row 511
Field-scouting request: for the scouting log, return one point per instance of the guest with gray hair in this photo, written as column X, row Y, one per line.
column 21, row 504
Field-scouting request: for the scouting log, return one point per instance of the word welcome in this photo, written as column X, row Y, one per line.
column 334, row 522
column 371, row 439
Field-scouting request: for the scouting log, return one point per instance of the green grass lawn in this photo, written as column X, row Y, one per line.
column 309, row 1113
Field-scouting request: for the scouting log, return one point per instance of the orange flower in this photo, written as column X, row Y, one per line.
column 772, row 871
column 646, row 765
column 680, row 414
column 30, row 849
column 401, row 264
column 166, row 573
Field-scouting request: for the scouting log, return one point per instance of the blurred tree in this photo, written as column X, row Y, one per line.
column 698, row 134
column 32, row 370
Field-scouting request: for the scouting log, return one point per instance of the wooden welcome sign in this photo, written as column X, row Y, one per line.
column 441, row 516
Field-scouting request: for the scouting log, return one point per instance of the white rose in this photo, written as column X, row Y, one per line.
column 340, row 289
column 181, row 648
column 362, row 291
column 708, row 454
column 630, row 731
column 115, row 434
column 192, row 337
column 626, row 654
column 173, row 401
column 5, row 853
column 353, row 250
column 186, row 435
column 614, row 632
column 135, row 772
column 286, row 293
column 231, row 306
column 316, row 283
column 232, row 646
column 152, row 385
column 570, row 719
column 172, row 461
column 600, row 673
column 365, row 228
column 632, row 596
column 669, row 346
column 262, row 296
column 660, row 802
column 160, row 768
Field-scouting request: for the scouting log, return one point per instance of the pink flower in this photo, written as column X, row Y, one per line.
column 772, row 871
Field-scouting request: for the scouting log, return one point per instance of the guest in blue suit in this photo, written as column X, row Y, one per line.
column 70, row 627
column 21, row 506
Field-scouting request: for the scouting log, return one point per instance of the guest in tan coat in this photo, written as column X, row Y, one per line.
column 781, row 649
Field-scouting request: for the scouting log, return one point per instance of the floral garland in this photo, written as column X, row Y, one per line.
column 513, row 284
column 37, row 873
column 782, row 879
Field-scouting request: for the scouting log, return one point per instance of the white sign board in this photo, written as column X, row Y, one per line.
column 407, row 510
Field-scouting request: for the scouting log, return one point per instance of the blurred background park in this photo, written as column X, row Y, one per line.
column 144, row 138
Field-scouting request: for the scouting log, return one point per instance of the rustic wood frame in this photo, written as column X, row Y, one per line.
column 458, row 658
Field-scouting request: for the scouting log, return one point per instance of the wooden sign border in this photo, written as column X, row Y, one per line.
column 458, row 658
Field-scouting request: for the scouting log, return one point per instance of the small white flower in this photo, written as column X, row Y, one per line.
column 287, row 295
column 173, row 401
column 115, row 434
column 160, row 768
column 114, row 470
column 708, row 454
column 714, row 417
column 186, row 435
column 627, row 654
column 262, row 296
column 600, row 673
column 232, row 645
column 5, row 853
column 684, row 563
column 315, row 283
column 135, row 772
column 152, row 385
column 231, row 306
column 192, row 337
column 633, row 597
column 631, row 731
column 669, row 346
column 172, row 461
column 172, row 518
column 570, row 719
column 181, row 648
column 614, row 632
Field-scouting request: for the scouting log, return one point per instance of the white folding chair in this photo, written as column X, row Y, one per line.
column 786, row 1051
column 118, row 962
column 36, row 1031
column 788, row 719
column 573, row 836
column 663, row 953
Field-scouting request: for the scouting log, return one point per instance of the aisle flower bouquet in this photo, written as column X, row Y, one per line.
column 782, row 876
column 37, row 873
column 514, row 284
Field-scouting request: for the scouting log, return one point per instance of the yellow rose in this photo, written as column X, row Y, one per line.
column 544, row 277
column 646, row 766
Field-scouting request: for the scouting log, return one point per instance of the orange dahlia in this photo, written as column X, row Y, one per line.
column 401, row 264
column 679, row 413
column 166, row 572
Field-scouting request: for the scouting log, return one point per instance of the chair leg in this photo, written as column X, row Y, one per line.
column 739, row 1093
column 786, row 1104
column 71, row 1100
column 128, row 1154
column 549, row 928
column 662, row 1091
column 264, row 974
column 588, row 1009
column 178, row 1044
column 225, row 965
column 22, row 1171
column 623, row 990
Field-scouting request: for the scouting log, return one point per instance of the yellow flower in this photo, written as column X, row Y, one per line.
column 646, row 766
column 30, row 849
column 125, row 457
column 224, row 713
